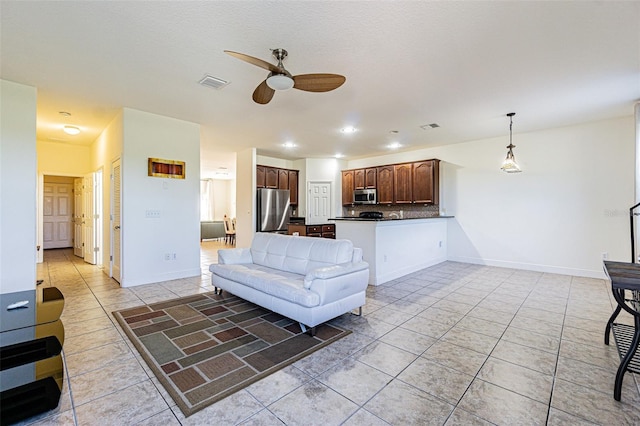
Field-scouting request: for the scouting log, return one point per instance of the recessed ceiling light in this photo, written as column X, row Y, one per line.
column 394, row 145
column 348, row 130
column 289, row 145
column 71, row 130
column 339, row 155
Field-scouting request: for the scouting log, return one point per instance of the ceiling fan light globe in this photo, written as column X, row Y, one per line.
column 280, row 82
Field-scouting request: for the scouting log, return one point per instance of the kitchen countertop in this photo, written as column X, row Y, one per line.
column 385, row 219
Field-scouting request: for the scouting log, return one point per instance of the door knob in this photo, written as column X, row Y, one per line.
column 117, row 227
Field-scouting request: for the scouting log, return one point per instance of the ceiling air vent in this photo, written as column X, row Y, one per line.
column 430, row 126
column 213, row 82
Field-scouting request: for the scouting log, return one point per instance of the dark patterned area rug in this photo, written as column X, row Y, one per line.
column 205, row 347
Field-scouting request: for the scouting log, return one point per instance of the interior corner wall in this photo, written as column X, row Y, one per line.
column 564, row 212
column 18, row 165
column 104, row 151
column 245, row 197
column 166, row 245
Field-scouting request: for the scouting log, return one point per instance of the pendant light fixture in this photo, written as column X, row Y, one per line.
column 509, row 165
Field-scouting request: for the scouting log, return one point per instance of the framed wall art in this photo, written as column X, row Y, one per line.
column 173, row 169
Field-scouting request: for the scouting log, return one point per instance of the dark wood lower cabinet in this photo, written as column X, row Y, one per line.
column 323, row 231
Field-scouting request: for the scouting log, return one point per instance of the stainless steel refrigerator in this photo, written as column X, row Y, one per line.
column 273, row 210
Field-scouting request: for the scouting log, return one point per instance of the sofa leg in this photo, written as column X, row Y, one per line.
column 312, row 330
column 359, row 312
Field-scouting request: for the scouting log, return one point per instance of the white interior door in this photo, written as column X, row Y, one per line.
column 319, row 203
column 116, row 204
column 57, row 223
column 78, row 217
column 88, row 223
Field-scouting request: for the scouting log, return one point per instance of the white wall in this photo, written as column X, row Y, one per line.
column 245, row 197
column 63, row 159
column 17, row 187
column 146, row 241
column 282, row 163
column 106, row 149
column 568, row 206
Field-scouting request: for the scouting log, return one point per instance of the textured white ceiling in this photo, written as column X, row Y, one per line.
column 463, row 65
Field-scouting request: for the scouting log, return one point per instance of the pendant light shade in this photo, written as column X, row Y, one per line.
column 509, row 165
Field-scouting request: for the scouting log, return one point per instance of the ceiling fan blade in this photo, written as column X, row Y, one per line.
column 254, row 61
column 263, row 93
column 318, row 82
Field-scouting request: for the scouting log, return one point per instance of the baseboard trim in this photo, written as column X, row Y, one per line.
column 531, row 267
column 150, row 279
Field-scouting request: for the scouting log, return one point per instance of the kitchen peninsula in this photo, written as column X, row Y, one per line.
column 396, row 247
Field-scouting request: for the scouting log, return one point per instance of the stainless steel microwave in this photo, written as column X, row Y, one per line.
column 364, row 196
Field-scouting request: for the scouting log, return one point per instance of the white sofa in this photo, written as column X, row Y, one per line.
column 310, row 280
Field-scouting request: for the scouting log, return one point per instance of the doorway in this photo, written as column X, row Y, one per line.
column 64, row 220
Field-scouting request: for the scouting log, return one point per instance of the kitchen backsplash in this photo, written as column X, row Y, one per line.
column 407, row 211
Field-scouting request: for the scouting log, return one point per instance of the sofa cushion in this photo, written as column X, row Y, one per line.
column 298, row 254
column 281, row 284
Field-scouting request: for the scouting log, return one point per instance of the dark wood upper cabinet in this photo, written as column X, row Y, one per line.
column 292, row 175
column 260, row 177
column 426, row 181
column 403, row 185
column 385, row 184
column 358, row 179
column 277, row 178
column 370, row 178
column 271, row 177
column 283, row 179
column 347, row 187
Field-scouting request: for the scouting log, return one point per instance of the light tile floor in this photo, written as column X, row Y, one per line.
column 454, row 344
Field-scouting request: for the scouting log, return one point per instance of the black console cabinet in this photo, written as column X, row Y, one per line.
column 31, row 339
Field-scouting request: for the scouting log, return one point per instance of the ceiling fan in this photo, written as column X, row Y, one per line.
column 281, row 79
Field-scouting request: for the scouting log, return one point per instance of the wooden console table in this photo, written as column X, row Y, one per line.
column 625, row 285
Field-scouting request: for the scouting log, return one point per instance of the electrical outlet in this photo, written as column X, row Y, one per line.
column 385, row 257
column 152, row 214
column 605, row 255
column 167, row 256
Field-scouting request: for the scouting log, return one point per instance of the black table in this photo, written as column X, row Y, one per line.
column 625, row 285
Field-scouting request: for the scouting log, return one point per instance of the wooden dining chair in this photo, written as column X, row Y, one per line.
column 230, row 231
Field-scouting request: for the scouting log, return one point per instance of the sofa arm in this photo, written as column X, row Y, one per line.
column 334, row 271
column 234, row 256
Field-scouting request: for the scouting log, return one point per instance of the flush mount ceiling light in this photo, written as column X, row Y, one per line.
column 289, row 145
column 509, row 165
column 71, row 130
column 339, row 155
column 280, row 81
column 348, row 130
